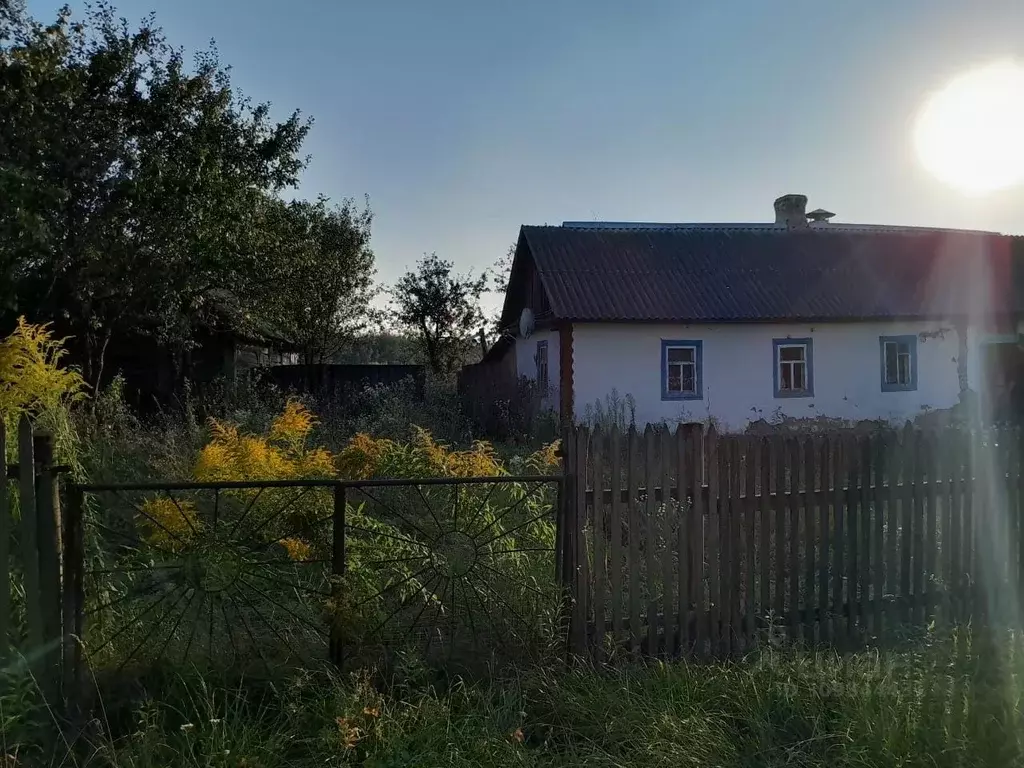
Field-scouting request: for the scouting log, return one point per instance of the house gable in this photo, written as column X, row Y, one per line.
column 525, row 290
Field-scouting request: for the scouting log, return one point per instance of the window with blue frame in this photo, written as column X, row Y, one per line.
column 794, row 367
column 899, row 363
column 681, row 374
column 542, row 365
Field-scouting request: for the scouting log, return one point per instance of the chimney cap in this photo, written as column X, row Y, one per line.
column 820, row 215
column 791, row 211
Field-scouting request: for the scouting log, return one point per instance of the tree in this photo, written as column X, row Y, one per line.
column 320, row 274
column 501, row 273
column 441, row 309
column 132, row 186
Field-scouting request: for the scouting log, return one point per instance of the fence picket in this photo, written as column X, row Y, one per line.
column 698, row 529
column 1011, row 439
column 793, row 537
column 779, row 450
column 932, row 540
column 944, row 566
column 713, row 562
column 824, row 538
column 633, row 514
column 765, row 521
column 650, row 546
column 735, row 543
column 956, row 530
column 852, row 543
column 968, row 537
column 750, row 519
column 906, row 519
column 895, row 458
column 918, row 528
column 879, row 459
column 616, row 564
column 1019, row 516
column 725, row 474
column 597, row 450
column 579, row 534
column 683, row 537
column 669, row 514
column 867, row 532
column 838, row 537
column 810, row 521
column 1005, row 448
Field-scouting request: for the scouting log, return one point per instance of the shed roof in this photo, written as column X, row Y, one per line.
column 720, row 273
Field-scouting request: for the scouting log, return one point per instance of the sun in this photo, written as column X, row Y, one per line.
column 970, row 134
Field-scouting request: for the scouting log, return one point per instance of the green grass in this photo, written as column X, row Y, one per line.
column 950, row 702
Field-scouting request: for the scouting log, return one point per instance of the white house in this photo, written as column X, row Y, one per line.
column 798, row 318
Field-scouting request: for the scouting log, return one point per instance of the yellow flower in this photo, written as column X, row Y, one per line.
column 371, row 711
column 362, row 456
column 298, row 550
column 31, row 376
column 316, row 463
column 349, row 733
column 546, row 458
column 293, row 425
column 170, row 524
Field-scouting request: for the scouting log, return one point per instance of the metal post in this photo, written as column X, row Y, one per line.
column 338, row 576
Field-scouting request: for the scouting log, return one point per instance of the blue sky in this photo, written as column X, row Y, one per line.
column 463, row 119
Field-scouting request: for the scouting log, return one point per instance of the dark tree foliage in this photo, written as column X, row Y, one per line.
column 320, row 282
column 140, row 196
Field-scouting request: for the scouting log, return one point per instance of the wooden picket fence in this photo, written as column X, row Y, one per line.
column 698, row 544
column 31, row 556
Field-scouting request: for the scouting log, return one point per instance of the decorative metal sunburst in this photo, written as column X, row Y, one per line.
column 472, row 571
column 227, row 577
column 251, row 577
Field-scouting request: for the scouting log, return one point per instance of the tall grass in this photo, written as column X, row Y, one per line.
column 954, row 701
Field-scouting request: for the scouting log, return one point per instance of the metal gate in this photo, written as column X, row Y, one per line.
column 256, row 576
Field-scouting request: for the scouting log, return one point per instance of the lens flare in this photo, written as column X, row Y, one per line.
column 968, row 134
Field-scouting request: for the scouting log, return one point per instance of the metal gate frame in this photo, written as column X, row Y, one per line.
column 73, row 577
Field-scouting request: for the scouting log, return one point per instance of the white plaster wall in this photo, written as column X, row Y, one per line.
column 526, row 350
column 738, row 362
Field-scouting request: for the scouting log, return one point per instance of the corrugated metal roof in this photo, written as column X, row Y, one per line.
column 737, row 274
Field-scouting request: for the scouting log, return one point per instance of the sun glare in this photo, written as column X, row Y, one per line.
column 970, row 134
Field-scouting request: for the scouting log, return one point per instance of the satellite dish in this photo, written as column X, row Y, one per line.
column 526, row 323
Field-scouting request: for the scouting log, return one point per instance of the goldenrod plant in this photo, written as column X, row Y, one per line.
column 34, row 381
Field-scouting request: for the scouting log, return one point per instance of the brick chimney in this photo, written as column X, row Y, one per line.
column 791, row 211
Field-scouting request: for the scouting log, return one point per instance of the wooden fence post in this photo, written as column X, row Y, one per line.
column 616, row 560
column 29, row 534
column 6, row 530
column 633, row 473
column 48, row 540
column 581, row 570
column 567, row 540
column 598, row 533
